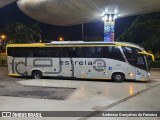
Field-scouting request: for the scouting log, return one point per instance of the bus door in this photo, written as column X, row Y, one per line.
column 67, row 62
column 131, row 56
column 67, row 67
column 141, row 68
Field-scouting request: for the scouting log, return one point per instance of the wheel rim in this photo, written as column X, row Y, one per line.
column 36, row 76
column 118, row 77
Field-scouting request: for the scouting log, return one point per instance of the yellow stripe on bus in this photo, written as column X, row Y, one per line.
column 27, row 45
column 66, row 45
column 95, row 78
column 14, row 75
column 78, row 45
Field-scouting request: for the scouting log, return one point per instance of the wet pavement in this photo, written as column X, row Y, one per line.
column 17, row 90
column 79, row 95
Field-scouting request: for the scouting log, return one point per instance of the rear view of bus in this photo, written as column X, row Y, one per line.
column 83, row 60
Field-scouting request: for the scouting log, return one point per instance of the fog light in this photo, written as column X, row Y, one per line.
column 130, row 74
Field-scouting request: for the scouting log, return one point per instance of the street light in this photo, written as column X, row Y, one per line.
column 3, row 37
column 60, row 38
column 109, row 17
column 2, row 43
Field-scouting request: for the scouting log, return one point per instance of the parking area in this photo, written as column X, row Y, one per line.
column 25, row 94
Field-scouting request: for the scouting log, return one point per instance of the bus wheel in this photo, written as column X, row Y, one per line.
column 118, row 77
column 36, row 74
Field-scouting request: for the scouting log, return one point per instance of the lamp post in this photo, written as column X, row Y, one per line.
column 82, row 32
column 2, row 41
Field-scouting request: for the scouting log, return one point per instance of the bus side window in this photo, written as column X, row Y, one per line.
column 100, row 52
column 112, row 52
column 117, row 54
column 87, row 52
column 53, row 52
column 92, row 52
column 72, row 52
column 30, row 54
column 65, row 52
column 18, row 52
column 27, row 52
column 79, row 52
column 130, row 55
column 10, row 51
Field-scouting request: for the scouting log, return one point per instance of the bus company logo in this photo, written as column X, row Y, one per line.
column 99, row 65
column 6, row 114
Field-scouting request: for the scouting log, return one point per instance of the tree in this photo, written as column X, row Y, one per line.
column 145, row 30
column 22, row 33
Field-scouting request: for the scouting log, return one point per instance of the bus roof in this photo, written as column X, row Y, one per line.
column 75, row 43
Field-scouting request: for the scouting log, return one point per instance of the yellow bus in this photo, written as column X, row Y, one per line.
column 115, row 61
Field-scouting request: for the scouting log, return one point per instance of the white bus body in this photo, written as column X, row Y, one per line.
column 99, row 60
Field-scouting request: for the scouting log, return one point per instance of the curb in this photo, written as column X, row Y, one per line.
column 155, row 68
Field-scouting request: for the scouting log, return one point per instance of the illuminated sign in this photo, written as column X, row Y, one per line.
column 109, row 31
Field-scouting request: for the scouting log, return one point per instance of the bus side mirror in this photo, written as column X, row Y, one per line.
column 145, row 53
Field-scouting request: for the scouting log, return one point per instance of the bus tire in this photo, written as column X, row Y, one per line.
column 36, row 74
column 118, row 77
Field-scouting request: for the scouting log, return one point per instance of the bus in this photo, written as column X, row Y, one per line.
column 115, row 61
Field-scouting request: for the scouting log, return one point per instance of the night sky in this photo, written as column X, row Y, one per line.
column 122, row 24
column 11, row 12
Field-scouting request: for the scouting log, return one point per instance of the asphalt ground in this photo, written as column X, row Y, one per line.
column 10, row 87
column 26, row 94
